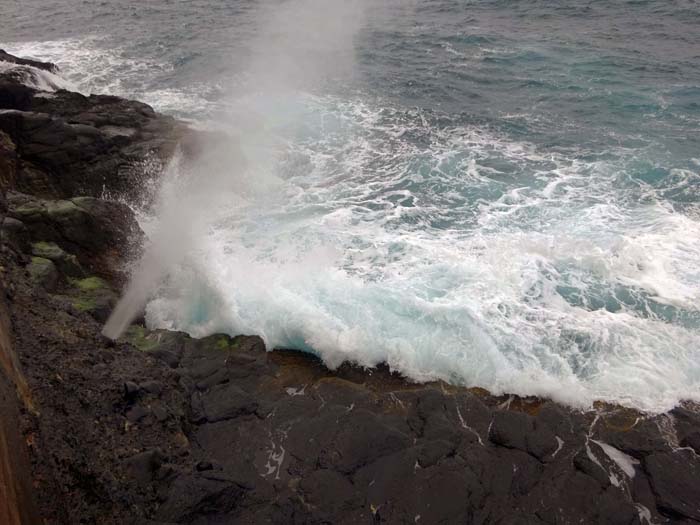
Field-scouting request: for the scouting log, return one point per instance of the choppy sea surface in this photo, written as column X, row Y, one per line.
column 498, row 194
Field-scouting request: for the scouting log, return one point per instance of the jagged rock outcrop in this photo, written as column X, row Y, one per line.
column 63, row 144
column 160, row 428
column 7, row 58
column 95, row 233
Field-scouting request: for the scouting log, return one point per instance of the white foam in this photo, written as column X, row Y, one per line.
column 373, row 248
column 36, row 78
column 92, row 65
column 611, row 475
column 560, row 445
column 624, row 461
column 644, row 514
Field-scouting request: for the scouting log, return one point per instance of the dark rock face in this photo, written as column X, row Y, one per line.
column 65, row 144
column 86, row 232
column 62, row 158
column 8, row 161
column 674, row 479
column 45, row 66
column 162, row 428
column 347, row 447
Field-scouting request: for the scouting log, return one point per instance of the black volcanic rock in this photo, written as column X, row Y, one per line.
column 97, row 234
column 45, row 66
column 80, row 154
column 692, row 441
column 66, row 144
column 15, row 234
column 674, row 479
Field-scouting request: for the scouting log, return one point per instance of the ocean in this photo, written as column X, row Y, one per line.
column 495, row 194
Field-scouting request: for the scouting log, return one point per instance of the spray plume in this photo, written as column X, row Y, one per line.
column 302, row 45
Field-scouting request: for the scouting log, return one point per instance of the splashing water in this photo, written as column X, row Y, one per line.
column 533, row 228
column 393, row 236
column 302, row 43
column 36, row 78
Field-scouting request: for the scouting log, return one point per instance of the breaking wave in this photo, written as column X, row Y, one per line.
column 453, row 253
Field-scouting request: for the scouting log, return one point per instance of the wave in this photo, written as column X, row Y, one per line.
column 449, row 252
column 35, row 77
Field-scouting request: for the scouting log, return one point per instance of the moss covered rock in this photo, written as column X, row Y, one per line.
column 94, row 296
column 14, row 233
column 43, row 272
column 170, row 346
column 97, row 232
column 141, row 338
column 66, row 263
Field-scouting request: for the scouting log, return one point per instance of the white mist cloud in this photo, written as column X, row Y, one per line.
column 305, row 42
column 301, row 45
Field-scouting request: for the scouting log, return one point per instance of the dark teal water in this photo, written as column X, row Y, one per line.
column 502, row 194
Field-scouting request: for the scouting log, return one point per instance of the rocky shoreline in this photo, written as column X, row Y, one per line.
column 159, row 427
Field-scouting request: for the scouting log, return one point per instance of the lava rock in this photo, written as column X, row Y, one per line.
column 227, row 402
column 152, row 387
column 143, row 466
column 674, row 479
column 14, row 233
column 693, row 441
column 131, row 391
column 44, row 66
column 94, row 296
column 43, row 273
column 204, row 465
column 160, row 412
column 195, row 495
column 510, row 429
column 66, row 263
column 136, row 413
column 97, row 232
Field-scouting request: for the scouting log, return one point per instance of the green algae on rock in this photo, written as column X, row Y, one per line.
column 92, row 295
column 43, row 272
column 67, row 263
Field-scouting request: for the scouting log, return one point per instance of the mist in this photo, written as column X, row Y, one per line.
column 301, row 46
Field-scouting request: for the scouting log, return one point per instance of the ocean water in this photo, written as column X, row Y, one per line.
column 497, row 194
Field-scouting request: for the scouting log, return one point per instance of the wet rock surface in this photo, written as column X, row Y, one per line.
column 159, row 427
column 66, row 144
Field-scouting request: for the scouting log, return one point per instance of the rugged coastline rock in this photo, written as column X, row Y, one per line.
column 160, row 428
column 62, row 144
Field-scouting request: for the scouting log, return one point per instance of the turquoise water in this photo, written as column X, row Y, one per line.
column 496, row 194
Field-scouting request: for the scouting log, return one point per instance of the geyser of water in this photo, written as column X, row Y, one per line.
column 302, row 43
column 180, row 220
